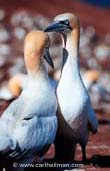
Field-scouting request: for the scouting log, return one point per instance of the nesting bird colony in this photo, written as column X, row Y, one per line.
column 94, row 53
column 94, row 65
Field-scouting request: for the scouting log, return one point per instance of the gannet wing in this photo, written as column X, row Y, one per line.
column 34, row 135
column 92, row 119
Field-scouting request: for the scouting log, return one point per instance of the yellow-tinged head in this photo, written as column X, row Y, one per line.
column 92, row 75
column 35, row 48
column 66, row 22
column 15, row 84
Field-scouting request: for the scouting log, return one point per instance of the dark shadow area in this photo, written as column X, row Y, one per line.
column 100, row 160
column 104, row 122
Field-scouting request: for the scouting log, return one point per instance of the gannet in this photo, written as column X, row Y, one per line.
column 97, row 91
column 72, row 95
column 12, row 89
column 17, row 83
column 28, row 126
column 89, row 78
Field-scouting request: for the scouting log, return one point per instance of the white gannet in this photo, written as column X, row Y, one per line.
column 13, row 88
column 90, row 77
column 72, row 96
column 16, row 84
column 28, row 126
column 98, row 93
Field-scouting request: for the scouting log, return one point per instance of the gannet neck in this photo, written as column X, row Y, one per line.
column 34, row 49
column 72, row 43
column 36, row 70
column 63, row 38
column 40, row 72
column 32, row 62
column 35, row 67
column 72, row 47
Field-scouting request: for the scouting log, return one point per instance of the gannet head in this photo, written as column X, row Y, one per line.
column 36, row 46
column 15, row 84
column 92, row 75
column 63, row 23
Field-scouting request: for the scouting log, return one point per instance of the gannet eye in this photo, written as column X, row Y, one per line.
column 65, row 22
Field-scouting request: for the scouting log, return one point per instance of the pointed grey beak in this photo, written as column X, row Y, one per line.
column 48, row 58
column 58, row 26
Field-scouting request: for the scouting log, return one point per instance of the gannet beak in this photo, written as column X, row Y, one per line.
column 48, row 58
column 58, row 26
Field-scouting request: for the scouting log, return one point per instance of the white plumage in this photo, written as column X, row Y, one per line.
column 72, row 96
column 28, row 126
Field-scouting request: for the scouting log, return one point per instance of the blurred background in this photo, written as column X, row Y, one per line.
column 18, row 17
